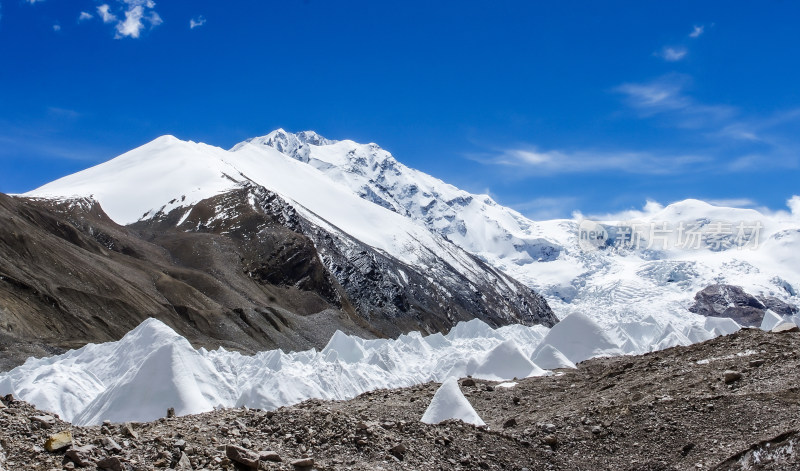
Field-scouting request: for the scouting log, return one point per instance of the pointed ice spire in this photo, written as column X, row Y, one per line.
column 450, row 403
column 550, row 358
column 347, row 347
column 504, row 362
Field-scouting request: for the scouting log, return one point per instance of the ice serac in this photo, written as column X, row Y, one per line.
column 506, row 361
column 549, row 358
column 347, row 348
column 449, row 403
column 721, row 325
column 579, row 338
column 152, row 368
column 171, row 376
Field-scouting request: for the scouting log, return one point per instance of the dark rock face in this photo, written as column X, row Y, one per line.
column 242, row 270
column 385, row 294
column 732, row 301
column 778, row 306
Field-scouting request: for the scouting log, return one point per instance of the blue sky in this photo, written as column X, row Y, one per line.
column 548, row 106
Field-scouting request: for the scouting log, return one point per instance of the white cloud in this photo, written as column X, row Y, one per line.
column 794, row 205
column 197, row 22
column 132, row 24
column 672, row 54
column 531, row 160
column 56, row 27
column 138, row 13
column 85, row 16
column 662, row 94
column 697, row 31
column 105, row 14
column 734, row 202
column 154, row 19
column 547, row 208
column 666, row 95
column 650, row 209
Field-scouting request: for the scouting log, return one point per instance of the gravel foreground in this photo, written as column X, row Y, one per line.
column 729, row 403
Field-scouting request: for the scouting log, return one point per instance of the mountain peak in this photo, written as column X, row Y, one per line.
column 292, row 144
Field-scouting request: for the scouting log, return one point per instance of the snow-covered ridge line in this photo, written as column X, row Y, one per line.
column 611, row 285
column 153, row 368
column 364, row 191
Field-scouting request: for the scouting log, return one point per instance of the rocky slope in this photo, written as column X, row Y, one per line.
column 240, row 269
column 728, row 403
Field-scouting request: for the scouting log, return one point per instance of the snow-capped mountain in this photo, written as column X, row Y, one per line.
column 474, row 222
column 259, row 217
column 615, row 284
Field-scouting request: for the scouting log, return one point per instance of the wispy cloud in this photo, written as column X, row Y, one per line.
column 56, row 27
column 547, row 208
column 672, row 54
column 734, row 202
column 197, row 22
column 697, row 31
column 667, row 96
column 531, row 160
column 49, row 147
column 136, row 16
column 738, row 141
column 57, row 112
column 105, row 14
column 649, row 209
column 138, row 13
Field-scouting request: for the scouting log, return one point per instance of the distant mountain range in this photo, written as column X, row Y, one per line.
column 287, row 237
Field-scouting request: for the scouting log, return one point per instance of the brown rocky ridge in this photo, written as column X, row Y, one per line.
column 241, row 270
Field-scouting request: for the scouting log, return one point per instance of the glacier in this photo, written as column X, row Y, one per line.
column 609, row 285
column 152, row 368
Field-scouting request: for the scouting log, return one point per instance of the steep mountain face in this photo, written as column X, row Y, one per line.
column 69, row 275
column 388, row 295
column 474, row 222
column 654, row 272
column 248, row 250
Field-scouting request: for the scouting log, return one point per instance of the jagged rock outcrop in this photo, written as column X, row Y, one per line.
column 732, row 301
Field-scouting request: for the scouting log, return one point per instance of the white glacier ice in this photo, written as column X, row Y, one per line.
column 153, row 368
column 449, row 403
column 578, row 337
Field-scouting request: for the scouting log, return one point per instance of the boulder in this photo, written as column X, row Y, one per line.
column 44, row 421
column 58, row 441
column 731, row 376
column 243, row 456
column 303, row 463
column 111, row 463
column 722, row 300
column 270, row 455
column 183, row 463
column 81, row 455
